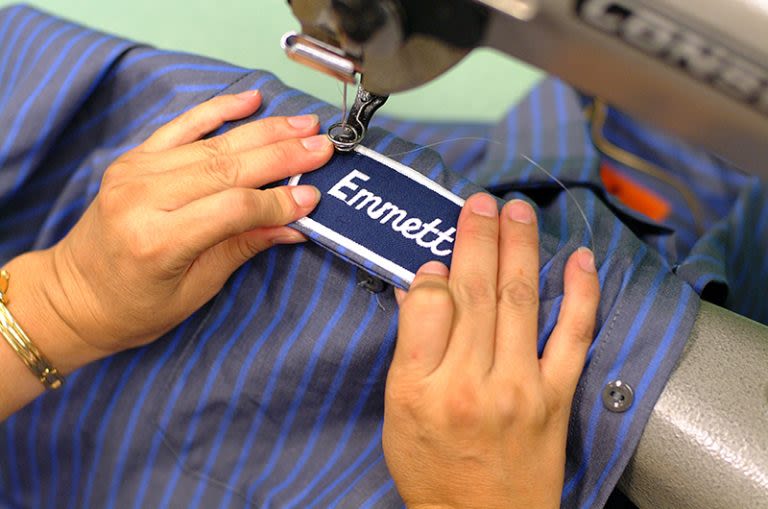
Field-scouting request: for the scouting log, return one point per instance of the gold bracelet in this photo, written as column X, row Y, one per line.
column 15, row 336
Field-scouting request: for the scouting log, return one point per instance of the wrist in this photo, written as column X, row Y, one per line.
column 35, row 295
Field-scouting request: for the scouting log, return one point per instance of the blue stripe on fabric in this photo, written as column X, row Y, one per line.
column 55, row 437
column 589, row 157
column 22, row 56
column 459, row 186
column 287, row 292
column 118, row 137
column 301, row 389
column 661, row 246
column 704, row 258
column 61, row 215
column 562, row 127
column 121, row 135
column 66, row 168
column 621, row 357
column 756, row 191
column 641, row 388
column 53, row 111
column 10, row 46
column 140, row 87
column 19, row 118
column 704, row 279
column 625, row 280
column 101, row 433
column 511, row 152
column 589, row 206
column 236, row 335
column 76, row 460
column 357, row 479
column 602, row 272
column 138, row 408
column 18, row 244
column 33, row 465
column 377, row 495
column 373, row 444
column 549, row 325
column 181, row 382
column 381, row 359
column 471, row 153
column 41, row 51
column 535, row 130
column 290, row 280
column 13, row 457
column 9, row 13
column 9, row 16
column 215, row 370
column 633, row 136
column 274, row 376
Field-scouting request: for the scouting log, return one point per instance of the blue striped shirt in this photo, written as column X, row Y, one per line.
column 271, row 395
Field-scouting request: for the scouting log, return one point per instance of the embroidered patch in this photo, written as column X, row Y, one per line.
column 383, row 211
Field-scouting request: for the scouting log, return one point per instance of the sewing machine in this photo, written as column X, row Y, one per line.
column 697, row 70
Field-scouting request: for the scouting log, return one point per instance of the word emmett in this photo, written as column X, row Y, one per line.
column 411, row 228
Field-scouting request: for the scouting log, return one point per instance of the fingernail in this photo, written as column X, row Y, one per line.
column 289, row 238
column 305, row 196
column 248, row 94
column 303, row 121
column 483, row 205
column 434, row 268
column 586, row 259
column 316, row 143
column 520, row 212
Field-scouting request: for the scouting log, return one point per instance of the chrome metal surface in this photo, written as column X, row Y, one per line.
column 320, row 56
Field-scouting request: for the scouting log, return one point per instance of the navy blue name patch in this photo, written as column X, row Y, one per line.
column 383, row 211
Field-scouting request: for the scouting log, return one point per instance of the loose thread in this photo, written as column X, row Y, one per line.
column 570, row 195
column 496, row 142
column 449, row 140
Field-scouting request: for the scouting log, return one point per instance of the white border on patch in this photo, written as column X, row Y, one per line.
column 349, row 244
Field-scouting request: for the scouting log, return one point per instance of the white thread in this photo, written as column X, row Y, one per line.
column 449, row 140
column 575, row 202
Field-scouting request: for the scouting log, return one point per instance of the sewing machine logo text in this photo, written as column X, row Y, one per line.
column 695, row 53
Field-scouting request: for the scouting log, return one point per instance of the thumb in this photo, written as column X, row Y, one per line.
column 207, row 275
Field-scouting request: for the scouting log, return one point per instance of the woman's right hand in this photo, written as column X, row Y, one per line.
column 473, row 417
column 174, row 218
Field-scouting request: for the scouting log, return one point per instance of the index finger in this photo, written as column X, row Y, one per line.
column 192, row 125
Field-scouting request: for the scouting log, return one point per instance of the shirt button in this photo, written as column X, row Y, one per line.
column 618, row 396
column 370, row 283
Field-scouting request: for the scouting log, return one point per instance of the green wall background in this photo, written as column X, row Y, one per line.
column 247, row 33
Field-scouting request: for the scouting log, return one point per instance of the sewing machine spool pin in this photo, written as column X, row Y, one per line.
column 347, row 135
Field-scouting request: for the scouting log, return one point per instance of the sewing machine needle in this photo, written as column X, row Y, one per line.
column 344, row 109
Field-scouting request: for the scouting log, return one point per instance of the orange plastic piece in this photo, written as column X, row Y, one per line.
column 634, row 195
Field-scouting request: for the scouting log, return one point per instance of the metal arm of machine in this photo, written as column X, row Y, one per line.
column 698, row 70
column 706, row 444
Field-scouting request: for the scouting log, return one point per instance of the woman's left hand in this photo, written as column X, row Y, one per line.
column 173, row 219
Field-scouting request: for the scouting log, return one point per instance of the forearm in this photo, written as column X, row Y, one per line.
column 29, row 301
